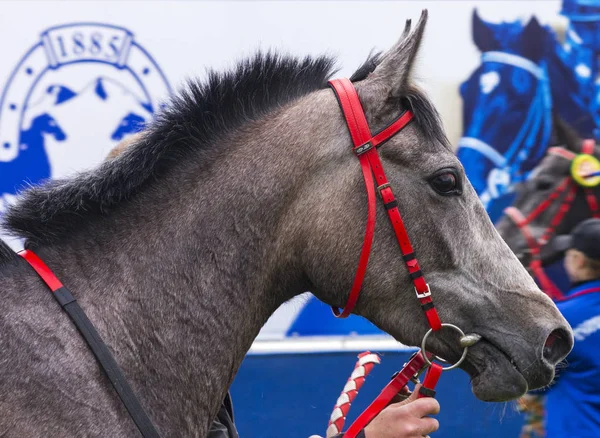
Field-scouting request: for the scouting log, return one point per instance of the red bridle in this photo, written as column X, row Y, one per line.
column 365, row 148
column 567, row 189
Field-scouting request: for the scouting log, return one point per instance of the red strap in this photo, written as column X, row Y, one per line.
column 431, row 378
column 412, row 367
column 563, row 209
column 562, row 152
column 360, row 133
column 42, row 269
column 546, row 284
column 521, row 222
column 367, row 242
column 580, row 293
column 592, row 202
column 421, row 287
column 535, row 245
column 393, row 129
column 544, row 205
column 365, row 148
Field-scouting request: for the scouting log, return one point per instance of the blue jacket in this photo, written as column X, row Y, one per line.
column 573, row 402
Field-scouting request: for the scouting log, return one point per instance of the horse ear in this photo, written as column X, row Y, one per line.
column 395, row 67
column 483, row 34
column 565, row 134
column 532, row 40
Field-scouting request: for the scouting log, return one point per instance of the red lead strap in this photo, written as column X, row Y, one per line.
column 365, row 147
column 411, row 369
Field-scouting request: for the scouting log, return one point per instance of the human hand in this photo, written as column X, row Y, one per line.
column 406, row 419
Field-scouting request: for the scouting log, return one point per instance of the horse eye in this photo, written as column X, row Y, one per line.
column 446, row 183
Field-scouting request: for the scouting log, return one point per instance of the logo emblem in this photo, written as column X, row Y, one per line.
column 585, row 169
column 73, row 96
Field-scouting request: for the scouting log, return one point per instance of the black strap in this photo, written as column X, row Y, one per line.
column 427, row 392
column 427, row 306
column 391, row 204
column 415, row 275
column 107, row 361
column 410, row 256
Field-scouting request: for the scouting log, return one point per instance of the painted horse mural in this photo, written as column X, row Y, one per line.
column 509, row 103
column 527, row 81
column 507, row 119
column 31, row 165
column 181, row 247
column 580, row 52
column 44, row 138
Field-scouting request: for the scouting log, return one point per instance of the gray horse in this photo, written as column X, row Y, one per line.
column 243, row 193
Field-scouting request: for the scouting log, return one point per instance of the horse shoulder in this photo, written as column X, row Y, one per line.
column 51, row 385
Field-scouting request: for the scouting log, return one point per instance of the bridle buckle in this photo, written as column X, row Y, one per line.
column 424, row 294
column 381, row 187
column 365, row 147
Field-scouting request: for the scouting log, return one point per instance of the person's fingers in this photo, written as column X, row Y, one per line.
column 402, row 395
column 411, row 398
column 428, row 425
column 422, row 407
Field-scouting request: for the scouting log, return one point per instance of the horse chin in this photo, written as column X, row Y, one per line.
column 494, row 376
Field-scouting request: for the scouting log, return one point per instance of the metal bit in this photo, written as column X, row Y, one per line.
column 469, row 340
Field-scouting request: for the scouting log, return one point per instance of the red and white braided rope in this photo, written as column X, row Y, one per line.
column 364, row 365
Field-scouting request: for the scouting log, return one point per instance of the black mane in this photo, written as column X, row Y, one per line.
column 191, row 122
column 6, row 253
column 193, row 119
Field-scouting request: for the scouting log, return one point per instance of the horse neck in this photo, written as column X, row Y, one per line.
column 180, row 280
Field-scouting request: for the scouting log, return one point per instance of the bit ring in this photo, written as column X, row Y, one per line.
column 464, row 353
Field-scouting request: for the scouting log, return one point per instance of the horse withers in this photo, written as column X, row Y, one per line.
column 243, row 193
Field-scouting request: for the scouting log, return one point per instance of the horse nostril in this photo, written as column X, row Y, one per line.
column 557, row 346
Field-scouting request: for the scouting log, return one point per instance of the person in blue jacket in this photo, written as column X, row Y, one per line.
column 573, row 402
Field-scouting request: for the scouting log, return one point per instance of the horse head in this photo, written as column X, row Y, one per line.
column 130, row 124
column 268, row 201
column 46, row 124
column 552, row 201
column 478, row 282
column 507, row 106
